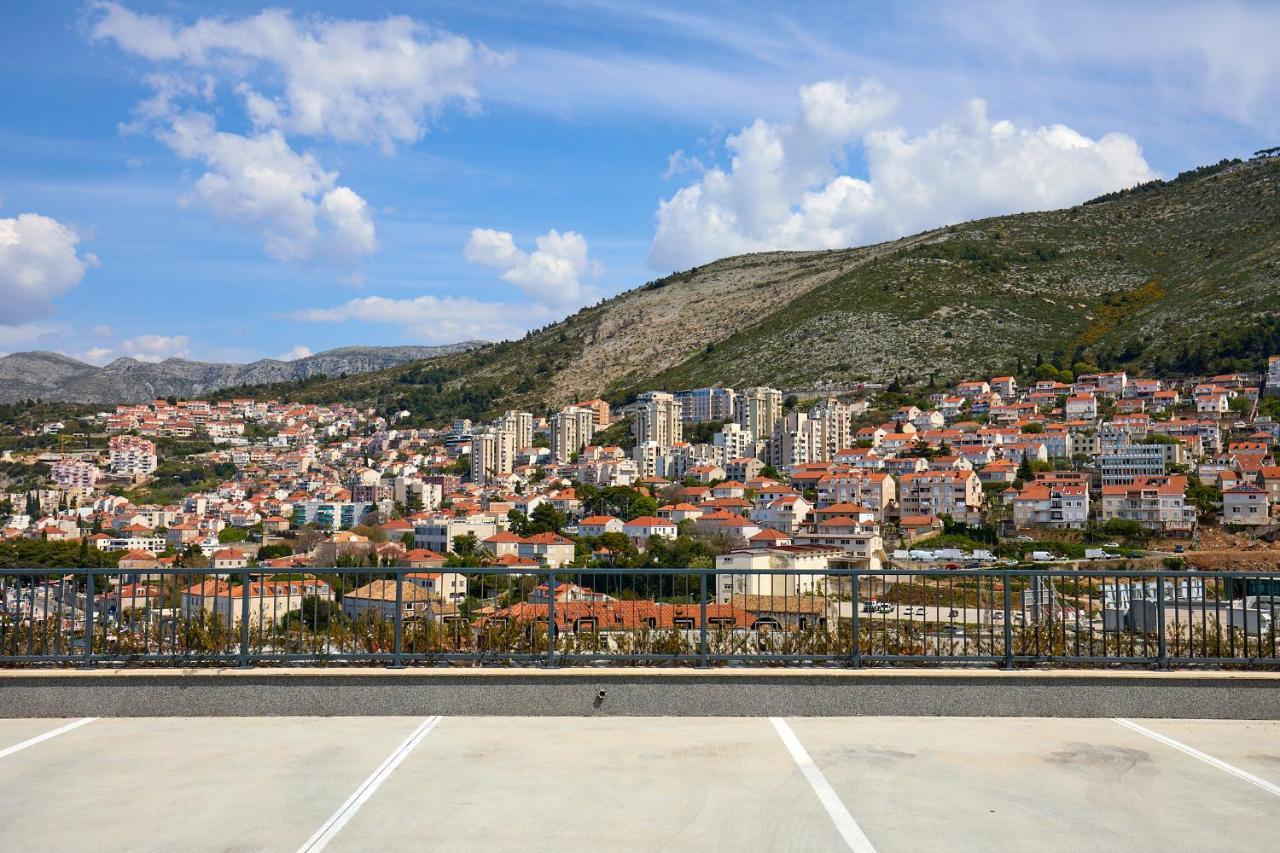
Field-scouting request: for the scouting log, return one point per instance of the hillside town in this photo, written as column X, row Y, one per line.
column 702, row 478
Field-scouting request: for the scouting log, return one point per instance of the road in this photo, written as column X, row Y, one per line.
column 615, row 783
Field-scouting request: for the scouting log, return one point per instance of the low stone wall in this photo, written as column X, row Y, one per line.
column 638, row 692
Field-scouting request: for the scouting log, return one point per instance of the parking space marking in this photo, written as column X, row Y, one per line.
column 845, row 824
column 1205, row 757
column 347, row 810
column 61, row 730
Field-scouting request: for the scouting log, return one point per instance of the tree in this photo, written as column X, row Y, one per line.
column 546, row 519
column 465, row 545
column 1025, row 472
column 316, row 614
column 271, row 552
column 1046, row 371
column 232, row 534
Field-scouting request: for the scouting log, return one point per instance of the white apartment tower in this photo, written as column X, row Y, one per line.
column 658, row 419
column 520, row 425
column 758, row 410
column 571, row 430
column 706, row 404
column 794, row 440
column 734, row 442
column 493, row 454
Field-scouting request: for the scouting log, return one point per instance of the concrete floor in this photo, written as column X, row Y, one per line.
column 641, row 783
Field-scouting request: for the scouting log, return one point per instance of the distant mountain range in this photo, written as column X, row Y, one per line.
column 55, row 377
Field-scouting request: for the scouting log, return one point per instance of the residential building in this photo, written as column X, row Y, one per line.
column 131, row 456
column 758, row 409
column 1124, row 464
column 331, row 515
column 1245, row 504
column 447, row 586
column 746, row 572
column 658, row 419
column 706, row 404
column 1044, row 503
column 493, row 454
column 437, row 534
column 75, row 474
column 954, row 493
column 377, row 599
column 571, row 431
column 1157, row 503
column 269, row 601
column 641, row 530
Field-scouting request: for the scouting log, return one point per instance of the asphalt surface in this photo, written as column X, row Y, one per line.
column 648, row 783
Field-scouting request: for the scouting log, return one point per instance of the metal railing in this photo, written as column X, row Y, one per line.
column 640, row 617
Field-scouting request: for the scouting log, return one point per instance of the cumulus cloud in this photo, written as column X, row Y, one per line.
column 295, row 353
column 552, row 273
column 785, row 187
column 259, row 180
column 374, row 82
column 38, row 262
column 26, row 336
column 353, row 81
column 156, row 347
column 436, row 319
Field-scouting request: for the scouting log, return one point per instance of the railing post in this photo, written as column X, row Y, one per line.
column 551, row 618
column 1162, row 645
column 1008, row 621
column 703, row 661
column 244, row 619
column 89, row 618
column 397, row 651
column 855, row 654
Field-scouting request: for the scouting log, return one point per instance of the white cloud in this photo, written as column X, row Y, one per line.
column 435, row 319
column 38, row 262
column 295, row 353
column 27, row 336
column 353, row 81
column 375, row 82
column 95, row 355
column 156, row 347
column 552, row 273
column 1218, row 57
column 784, row 188
column 260, row 181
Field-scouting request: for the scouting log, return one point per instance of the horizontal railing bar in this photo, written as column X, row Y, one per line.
column 529, row 572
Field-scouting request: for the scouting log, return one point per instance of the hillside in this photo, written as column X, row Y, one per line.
column 1181, row 275
column 53, row 377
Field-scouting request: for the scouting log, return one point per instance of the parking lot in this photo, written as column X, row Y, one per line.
column 556, row 783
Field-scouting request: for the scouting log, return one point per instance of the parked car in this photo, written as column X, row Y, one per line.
column 884, row 607
column 1178, row 549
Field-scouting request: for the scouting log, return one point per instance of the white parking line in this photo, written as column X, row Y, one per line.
column 334, row 825
column 1269, row 787
column 845, row 824
column 61, row 730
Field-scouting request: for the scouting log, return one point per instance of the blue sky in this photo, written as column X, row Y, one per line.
column 217, row 181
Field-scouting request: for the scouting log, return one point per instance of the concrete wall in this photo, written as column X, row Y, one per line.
column 635, row 692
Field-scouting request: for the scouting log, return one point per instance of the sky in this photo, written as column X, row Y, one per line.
column 228, row 181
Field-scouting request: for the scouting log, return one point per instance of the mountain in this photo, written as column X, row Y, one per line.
column 1177, row 276
column 55, row 377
